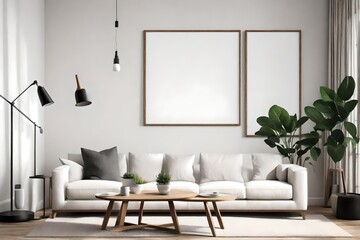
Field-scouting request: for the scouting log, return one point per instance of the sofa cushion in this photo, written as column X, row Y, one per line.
column 264, row 165
column 268, row 190
column 180, row 167
column 86, row 189
column 220, row 167
column 147, row 166
column 76, row 171
column 229, row 187
column 101, row 165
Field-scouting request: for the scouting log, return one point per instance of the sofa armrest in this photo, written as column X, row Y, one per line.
column 298, row 178
column 60, row 179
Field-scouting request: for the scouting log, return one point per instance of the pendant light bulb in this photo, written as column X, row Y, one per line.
column 116, row 66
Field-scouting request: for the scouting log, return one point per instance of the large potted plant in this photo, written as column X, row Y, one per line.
column 330, row 114
column 281, row 130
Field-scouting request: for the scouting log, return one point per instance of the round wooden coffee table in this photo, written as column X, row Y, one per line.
column 121, row 225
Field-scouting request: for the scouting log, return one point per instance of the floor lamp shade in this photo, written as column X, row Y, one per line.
column 80, row 95
column 44, row 97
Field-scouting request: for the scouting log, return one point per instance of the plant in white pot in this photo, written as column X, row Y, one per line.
column 163, row 182
column 137, row 185
column 127, row 179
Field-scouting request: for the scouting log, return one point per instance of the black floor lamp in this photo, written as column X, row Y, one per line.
column 21, row 215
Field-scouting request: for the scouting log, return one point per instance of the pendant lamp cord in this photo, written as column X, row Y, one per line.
column 116, row 23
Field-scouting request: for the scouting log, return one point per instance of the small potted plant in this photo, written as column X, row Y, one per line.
column 137, row 185
column 163, row 182
column 128, row 179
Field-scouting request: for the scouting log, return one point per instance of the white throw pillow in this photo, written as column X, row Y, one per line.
column 76, row 170
column 180, row 167
column 264, row 165
column 147, row 165
column 221, row 167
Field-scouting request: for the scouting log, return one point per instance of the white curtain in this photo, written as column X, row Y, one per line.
column 344, row 52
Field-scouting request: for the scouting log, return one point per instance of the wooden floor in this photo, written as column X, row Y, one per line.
column 9, row 231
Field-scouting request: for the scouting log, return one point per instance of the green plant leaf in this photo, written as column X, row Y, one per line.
column 264, row 122
column 338, row 136
column 270, row 143
column 274, row 115
column 327, row 94
column 307, row 142
column 284, row 117
column 282, row 151
column 314, row 114
column 265, row 132
column 343, row 113
column 315, row 153
column 325, row 107
column 350, row 105
column 274, row 139
column 312, row 134
column 330, row 141
column 346, row 88
column 351, row 128
column 301, row 121
column 336, row 152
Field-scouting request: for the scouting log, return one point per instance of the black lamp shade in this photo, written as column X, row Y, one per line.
column 81, row 98
column 44, row 97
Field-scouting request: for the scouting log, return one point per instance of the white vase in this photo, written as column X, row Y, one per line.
column 164, row 188
column 127, row 182
column 136, row 188
column 19, row 198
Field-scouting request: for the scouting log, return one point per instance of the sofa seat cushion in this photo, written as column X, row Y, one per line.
column 268, row 190
column 179, row 185
column 229, row 187
column 86, row 189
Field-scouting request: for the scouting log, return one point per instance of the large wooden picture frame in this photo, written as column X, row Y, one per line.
column 192, row 77
column 272, row 74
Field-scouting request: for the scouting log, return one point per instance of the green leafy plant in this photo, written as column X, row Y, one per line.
column 280, row 129
column 163, row 178
column 330, row 115
column 128, row 175
column 138, row 179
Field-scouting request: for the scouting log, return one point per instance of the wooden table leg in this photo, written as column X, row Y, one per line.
column 141, row 210
column 218, row 215
column 174, row 216
column 107, row 215
column 209, row 218
column 120, row 221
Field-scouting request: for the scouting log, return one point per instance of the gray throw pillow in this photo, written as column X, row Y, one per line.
column 101, row 165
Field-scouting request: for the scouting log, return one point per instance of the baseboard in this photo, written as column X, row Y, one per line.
column 316, row 201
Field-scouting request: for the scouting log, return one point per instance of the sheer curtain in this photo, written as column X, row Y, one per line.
column 344, row 52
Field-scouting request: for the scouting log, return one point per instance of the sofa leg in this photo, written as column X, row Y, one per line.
column 303, row 215
column 53, row 215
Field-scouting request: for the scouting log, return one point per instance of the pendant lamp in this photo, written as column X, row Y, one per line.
column 80, row 95
column 116, row 62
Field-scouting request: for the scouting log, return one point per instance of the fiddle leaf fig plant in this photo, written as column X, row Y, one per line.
column 280, row 129
column 330, row 115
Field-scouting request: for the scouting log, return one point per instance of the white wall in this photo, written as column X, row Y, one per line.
column 80, row 40
column 22, row 55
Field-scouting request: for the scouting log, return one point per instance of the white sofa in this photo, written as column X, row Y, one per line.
column 284, row 189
